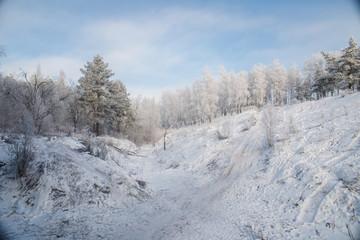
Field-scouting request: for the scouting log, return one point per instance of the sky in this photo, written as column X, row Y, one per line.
column 156, row 45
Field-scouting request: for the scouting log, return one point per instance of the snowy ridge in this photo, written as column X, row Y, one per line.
column 307, row 186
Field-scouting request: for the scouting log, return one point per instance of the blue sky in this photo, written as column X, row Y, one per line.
column 156, row 45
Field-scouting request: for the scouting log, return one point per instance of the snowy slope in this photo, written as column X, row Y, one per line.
column 74, row 192
column 305, row 187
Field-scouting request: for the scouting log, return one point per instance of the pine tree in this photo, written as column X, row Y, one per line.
column 349, row 65
column 118, row 106
column 93, row 83
column 344, row 70
column 105, row 101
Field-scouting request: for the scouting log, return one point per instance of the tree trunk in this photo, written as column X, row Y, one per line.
column 97, row 129
column 165, row 139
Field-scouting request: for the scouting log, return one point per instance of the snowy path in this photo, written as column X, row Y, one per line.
column 174, row 195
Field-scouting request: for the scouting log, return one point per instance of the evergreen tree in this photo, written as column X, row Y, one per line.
column 105, row 101
column 344, row 69
column 349, row 65
column 118, row 106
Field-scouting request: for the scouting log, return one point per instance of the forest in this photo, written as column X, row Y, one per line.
column 96, row 104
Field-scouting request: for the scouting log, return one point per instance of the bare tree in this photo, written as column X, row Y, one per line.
column 36, row 95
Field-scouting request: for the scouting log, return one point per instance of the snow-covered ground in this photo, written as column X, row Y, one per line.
column 305, row 187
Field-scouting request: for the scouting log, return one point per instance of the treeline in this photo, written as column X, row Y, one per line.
column 40, row 105
column 325, row 74
column 100, row 105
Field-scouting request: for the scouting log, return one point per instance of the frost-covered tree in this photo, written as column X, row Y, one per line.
column 118, row 111
column 208, row 96
column 232, row 92
column 317, row 79
column 93, row 86
column 294, row 83
column 146, row 128
column 76, row 111
column 242, row 92
column 238, row 91
column 61, row 115
column 37, row 96
column 323, row 82
column 223, row 91
column 258, row 85
column 104, row 101
column 187, row 108
column 10, row 110
column 277, row 77
column 350, row 65
column 168, row 111
column 345, row 67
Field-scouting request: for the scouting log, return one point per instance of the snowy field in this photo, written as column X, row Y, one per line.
column 307, row 186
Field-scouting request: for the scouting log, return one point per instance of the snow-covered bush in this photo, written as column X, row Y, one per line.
column 97, row 147
column 22, row 155
column 225, row 130
column 292, row 124
column 269, row 120
column 250, row 122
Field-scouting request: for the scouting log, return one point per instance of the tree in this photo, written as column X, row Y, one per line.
column 169, row 107
column 147, row 121
column 206, row 92
column 294, row 83
column 277, row 77
column 76, row 112
column 241, row 89
column 118, row 111
column 38, row 97
column 344, row 67
column 61, row 115
column 349, row 65
column 93, row 83
column 104, row 101
column 223, row 91
column 258, row 84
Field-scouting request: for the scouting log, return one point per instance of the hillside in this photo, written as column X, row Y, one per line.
column 214, row 181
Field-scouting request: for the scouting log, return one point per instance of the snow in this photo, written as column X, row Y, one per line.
column 307, row 186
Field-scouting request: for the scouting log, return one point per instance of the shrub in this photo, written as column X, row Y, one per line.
column 97, row 147
column 22, row 155
column 269, row 120
column 225, row 130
